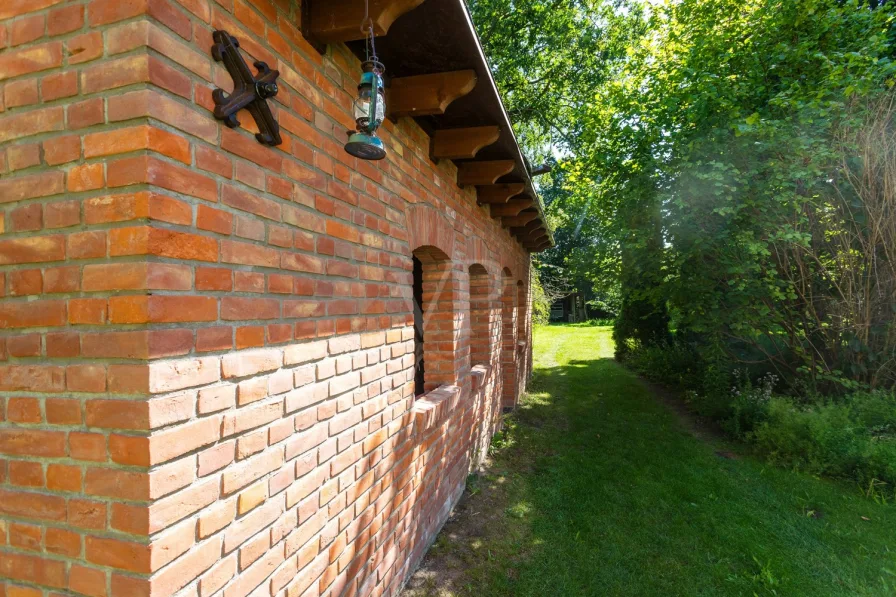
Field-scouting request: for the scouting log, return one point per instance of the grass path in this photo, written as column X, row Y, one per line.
column 596, row 488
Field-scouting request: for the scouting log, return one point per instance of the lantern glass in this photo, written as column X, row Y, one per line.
column 362, row 109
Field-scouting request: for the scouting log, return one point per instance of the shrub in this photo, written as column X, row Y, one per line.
column 853, row 438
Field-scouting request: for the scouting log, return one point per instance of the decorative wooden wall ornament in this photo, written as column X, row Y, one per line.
column 483, row 173
column 499, row 193
column 334, row 21
column 249, row 92
column 428, row 95
column 511, row 208
column 463, row 144
column 520, row 220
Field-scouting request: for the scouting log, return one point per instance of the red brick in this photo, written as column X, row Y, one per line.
column 86, row 113
column 25, row 282
column 87, row 581
column 29, row 60
column 59, row 85
column 86, row 245
column 27, row 345
column 63, row 542
column 32, row 122
column 26, row 218
column 65, row 20
column 43, row 313
column 61, row 477
column 62, row 214
column 25, row 536
column 33, row 569
column 213, row 161
column 87, row 446
column 85, row 178
column 214, row 339
column 32, row 505
column 214, row 220
column 124, row 555
column 86, row 514
column 15, row 8
column 87, row 311
column 23, row 410
column 61, row 150
column 26, row 474
column 28, row 29
column 31, row 187
column 32, row 442
column 20, row 93
column 63, row 344
column 20, row 157
column 63, row 411
column 85, row 378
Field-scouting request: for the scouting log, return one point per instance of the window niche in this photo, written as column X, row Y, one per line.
column 508, row 339
column 435, row 340
column 483, row 332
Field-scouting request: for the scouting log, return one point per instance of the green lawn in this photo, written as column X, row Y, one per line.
column 597, row 488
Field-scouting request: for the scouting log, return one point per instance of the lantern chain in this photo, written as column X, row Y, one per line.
column 367, row 28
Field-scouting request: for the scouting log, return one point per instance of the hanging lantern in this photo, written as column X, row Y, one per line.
column 369, row 112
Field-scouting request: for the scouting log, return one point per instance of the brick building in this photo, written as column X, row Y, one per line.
column 211, row 349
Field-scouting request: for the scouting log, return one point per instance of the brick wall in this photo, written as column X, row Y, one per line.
column 206, row 384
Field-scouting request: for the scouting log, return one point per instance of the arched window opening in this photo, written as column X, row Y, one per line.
column 435, row 342
column 482, row 332
column 419, row 360
column 522, row 310
column 508, row 339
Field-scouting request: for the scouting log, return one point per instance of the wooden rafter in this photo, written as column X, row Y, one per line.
column 538, row 234
column 511, row 208
column 499, row 193
column 521, row 220
column 428, row 95
column 463, row 144
column 334, row 21
column 527, row 228
column 483, row 173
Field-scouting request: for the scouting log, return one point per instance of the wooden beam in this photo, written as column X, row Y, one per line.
column 537, row 235
column 428, row 95
column 528, row 228
column 535, row 243
column 520, row 220
column 499, row 193
column 511, row 208
column 476, row 173
column 334, row 21
column 540, row 243
column 462, row 144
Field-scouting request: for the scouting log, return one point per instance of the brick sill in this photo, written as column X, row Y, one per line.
column 478, row 375
column 432, row 408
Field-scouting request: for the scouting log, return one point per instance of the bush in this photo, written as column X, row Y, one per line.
column 670, row 363
column 853, row 438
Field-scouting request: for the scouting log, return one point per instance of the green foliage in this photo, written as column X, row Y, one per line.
column 724, row 179
column 833, row 438
column 541, row 303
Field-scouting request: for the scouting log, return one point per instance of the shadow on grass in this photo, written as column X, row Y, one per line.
column 597, row 489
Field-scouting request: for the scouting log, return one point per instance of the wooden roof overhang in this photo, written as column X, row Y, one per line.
column 437, row 74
